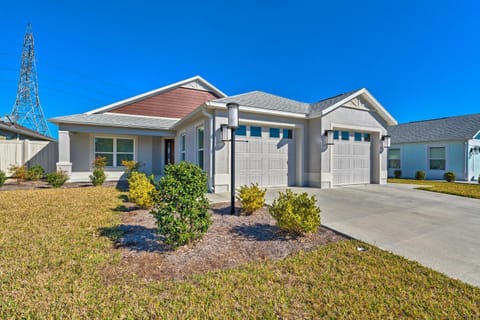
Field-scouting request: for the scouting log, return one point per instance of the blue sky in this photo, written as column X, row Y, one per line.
column 420, row 59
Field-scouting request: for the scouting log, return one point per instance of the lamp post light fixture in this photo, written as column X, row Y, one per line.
column 232, row 109
column 386, row 140
column 329, row 135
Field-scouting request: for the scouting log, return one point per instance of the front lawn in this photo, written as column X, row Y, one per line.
column 455, row 188
column 55, row 264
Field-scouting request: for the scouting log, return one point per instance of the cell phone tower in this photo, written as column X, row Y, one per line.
column 27, row 110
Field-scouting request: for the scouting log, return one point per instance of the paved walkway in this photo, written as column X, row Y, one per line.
column 440, row 231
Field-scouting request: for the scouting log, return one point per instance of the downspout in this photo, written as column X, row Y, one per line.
column 212, row 150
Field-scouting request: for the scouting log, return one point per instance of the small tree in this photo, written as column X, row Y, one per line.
column 98, row 175
column 181, row 205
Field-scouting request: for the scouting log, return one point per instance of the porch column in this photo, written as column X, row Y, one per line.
column 64, row 163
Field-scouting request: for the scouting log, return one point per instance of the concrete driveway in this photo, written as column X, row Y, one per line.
column 440, row 231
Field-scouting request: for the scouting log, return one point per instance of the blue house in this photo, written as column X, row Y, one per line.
column 436, row 146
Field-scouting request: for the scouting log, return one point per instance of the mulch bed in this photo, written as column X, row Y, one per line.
column 12, row 185
column 231, row 241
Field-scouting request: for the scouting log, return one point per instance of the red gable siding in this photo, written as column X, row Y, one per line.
column 175, row 103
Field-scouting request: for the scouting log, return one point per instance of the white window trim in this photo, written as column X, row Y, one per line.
column 197, row 147
column 428, row 157
column 183, row 153
column 115, row 165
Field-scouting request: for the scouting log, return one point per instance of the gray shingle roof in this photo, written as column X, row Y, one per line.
column 111, row 120
column 444, row 129
column 259, row 99
column 321, row 105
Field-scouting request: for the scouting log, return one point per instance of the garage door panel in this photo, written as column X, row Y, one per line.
column 351, row 162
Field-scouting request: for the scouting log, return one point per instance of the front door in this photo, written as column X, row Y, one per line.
column 169, row 151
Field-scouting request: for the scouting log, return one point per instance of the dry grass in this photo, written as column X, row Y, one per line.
column 53, row 264
column 454, row 188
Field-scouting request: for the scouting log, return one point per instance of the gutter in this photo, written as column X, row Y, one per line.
column 212, row 149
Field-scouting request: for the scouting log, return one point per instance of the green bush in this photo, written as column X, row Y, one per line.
column 181, row 205
column 97, row 178
column 3, row 178
column 296, row 213
column 397, row 174
column 140, row 190
column 449, row 176
column 18, row 172
column 35, row 172
column 251, row 197
column 57, row 179
column 420, row 175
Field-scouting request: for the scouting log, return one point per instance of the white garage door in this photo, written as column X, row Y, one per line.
column 261, row 160
column 351, row 154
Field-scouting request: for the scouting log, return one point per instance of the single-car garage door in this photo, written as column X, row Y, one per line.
column 351, row 154
column 262, row 157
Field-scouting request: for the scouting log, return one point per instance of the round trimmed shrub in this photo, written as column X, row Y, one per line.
column 296, row 213
column 57, row 179
column 181, row 205
column 449, row 176
column 420, row 175
column 397, row 174
column 140, row 189
column 251, row 197
column 35, row 172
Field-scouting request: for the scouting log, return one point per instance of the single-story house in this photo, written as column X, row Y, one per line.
column 280, row 142
column 437, row 146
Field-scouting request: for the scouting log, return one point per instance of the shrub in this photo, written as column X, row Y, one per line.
column 18, row 172
column 3, row 178
column 181, row 205
column 57, row 179
column 296, row 213
column 131, row 166
column 397, row 174
column 35, row 172
column 97, row 178
column 420, row 175
column 140, row 189
column 252, row 198
column 449, row 176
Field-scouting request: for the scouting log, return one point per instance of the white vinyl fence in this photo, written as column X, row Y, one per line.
column 29, row 153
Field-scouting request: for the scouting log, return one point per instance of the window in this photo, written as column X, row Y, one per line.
column 115, row 150
column 335, row 135
column 241, row 131
column 274, row 133
column 436, row 157
column 366, row 137
column 358, row 136
column 200, row 147
column 345, row 135
column 287, row 133
column 182, row 147
column 394, row 159
column 255, row 131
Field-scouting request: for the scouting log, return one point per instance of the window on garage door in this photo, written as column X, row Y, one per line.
column 274, row 132
column 255, row 131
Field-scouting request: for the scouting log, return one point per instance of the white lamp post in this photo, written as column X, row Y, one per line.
column 232, row 109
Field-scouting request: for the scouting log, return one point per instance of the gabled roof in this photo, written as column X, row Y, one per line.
column 24, row 131
column 196, row 80
column 443, row 129
column 259, row 99
column 321, row 105
column 117, row 120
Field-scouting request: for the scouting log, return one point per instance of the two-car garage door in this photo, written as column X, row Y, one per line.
column 351, row 154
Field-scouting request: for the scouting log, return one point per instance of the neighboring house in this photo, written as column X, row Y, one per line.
column 280, row 142
column 437, row 146
column 20, row 145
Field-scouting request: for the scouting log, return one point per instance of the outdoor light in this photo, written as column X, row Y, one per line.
column 225, row 132
column 329, row 135
column 386, row 141
column 232, row 109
